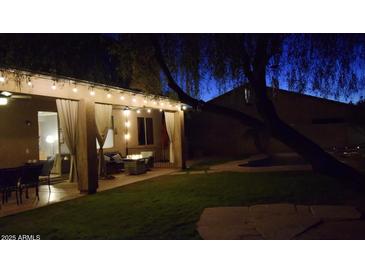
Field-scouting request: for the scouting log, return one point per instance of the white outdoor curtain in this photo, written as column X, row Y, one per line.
column 170, row 128
column 68, row 116
column 103, row 119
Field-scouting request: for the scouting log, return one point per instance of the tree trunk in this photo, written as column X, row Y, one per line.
column 320, row 160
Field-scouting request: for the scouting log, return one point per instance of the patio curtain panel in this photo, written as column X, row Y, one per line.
column 170, row 128
column 103, row 119
column 68, row 116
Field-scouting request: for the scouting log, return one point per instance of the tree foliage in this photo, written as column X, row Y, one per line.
column 329, row 65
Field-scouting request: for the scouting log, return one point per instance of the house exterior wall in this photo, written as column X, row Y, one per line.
column 19, row 140
column 210, row 134
column 133, row 146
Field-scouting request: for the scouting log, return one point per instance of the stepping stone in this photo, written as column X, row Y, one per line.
column 228, row 232
column 303, row 210
column 284, row 227
column 264, row 210
column 224, row 216
column 226, row 223
column 332, row 212
column 338, row 230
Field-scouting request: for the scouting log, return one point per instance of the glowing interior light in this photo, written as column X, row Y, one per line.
column 138, row 111
column 127, row 136
column 161, row 104
column 92, row 93
column 74, row 89
column 122, row 98
column 126, row 112
column 134, row 100
column 145, row 101
column 154, row 102
column 184, row 107
column 3, row 101
column 29, row 83
column 54, row 86
column 160, row 109
column 109, row 95
column 2, row 79
column 50, row 139
column 148, row 110
column 127, row 124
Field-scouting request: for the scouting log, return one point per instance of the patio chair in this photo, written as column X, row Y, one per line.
column 114, row 162
column 46, row 171
column 9, row 182
column 30, row 178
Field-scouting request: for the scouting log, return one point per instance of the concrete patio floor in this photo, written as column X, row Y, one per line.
column 64, row 191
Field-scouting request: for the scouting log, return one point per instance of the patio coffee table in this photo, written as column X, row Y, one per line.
column 135, row 166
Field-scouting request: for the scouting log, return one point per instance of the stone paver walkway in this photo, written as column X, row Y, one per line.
column 234, row 166
column 281, row 221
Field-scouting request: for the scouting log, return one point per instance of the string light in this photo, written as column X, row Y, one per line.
column 29, row 82
column 127, row 136
column 156, row 101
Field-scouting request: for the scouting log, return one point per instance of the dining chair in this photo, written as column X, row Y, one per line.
column 9, row 182
column 30, row 178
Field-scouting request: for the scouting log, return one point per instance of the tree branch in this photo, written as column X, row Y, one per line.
column 199, row 104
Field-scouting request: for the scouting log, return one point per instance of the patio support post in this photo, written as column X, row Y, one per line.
column 179, row 142
column 86, row 151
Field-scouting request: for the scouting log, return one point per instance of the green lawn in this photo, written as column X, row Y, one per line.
column 168, row 207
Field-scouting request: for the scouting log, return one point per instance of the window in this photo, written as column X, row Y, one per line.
column 109, row 141
column 145, row 131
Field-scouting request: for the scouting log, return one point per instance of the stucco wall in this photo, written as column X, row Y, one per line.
column 18, row 140
column 133, row 147
column 210, row 134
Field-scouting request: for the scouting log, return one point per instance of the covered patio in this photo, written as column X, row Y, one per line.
column 64, row 191
column 92, row 123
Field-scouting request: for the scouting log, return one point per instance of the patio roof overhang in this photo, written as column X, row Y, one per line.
column 28, row 83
